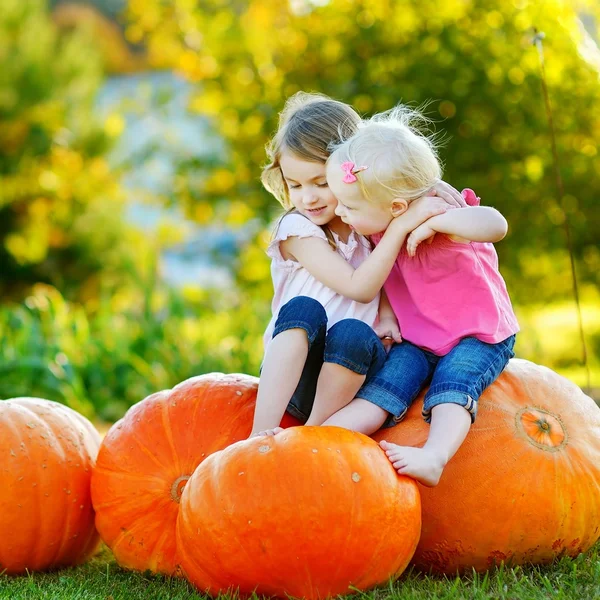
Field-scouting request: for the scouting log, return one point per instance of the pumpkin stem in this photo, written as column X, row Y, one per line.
column 177, row 488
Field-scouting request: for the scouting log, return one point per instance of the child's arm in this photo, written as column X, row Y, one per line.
column 472, row 224
column 330, row 268
column 387, row 328
column 361, row 284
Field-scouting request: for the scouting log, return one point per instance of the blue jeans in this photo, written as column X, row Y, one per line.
column 459, row 377
column 349, row 343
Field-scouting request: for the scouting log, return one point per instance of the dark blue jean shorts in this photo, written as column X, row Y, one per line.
column 350, row 343
column 459, row 377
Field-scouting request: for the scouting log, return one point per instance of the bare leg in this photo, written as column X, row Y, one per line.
column 336, row 387
column 281, row 371
column 450, row 424
column 360, row 415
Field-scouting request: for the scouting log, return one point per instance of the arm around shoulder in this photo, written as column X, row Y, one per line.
column 327, row 266
column 473, row 223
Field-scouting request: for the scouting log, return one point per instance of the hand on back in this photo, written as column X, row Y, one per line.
column 448, row 193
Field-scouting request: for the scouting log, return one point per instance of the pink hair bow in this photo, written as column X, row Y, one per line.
column 351, row 169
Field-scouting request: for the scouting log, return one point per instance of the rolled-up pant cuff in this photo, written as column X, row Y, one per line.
column 450, row 397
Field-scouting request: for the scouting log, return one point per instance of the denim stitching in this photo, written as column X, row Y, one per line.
column 388, row 387
column 370, row 353
column 401, row 416
column 456, row 386
column 296, row 412
column 450, row 387
column 311, row 332
column 376, row 387
column 498, row 358
column 345, row 362
column 470, row 406
column 470, row 400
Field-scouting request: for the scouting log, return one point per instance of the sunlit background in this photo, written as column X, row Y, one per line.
column 132, row 220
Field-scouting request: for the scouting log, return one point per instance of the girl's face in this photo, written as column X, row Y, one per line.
column 367, row 218
column 308, row 188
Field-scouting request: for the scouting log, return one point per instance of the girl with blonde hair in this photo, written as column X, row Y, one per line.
column 455, row 316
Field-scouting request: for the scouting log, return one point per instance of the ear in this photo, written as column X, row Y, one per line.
column 399, row 206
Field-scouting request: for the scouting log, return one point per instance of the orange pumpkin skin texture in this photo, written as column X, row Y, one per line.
column 47, row 452
column 307, row 513
column 147, row 457
column 525, row 485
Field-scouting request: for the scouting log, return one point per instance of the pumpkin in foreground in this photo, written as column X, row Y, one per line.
column 147, row 457
column 312, row 512
column 525, row 485
column 47, row 452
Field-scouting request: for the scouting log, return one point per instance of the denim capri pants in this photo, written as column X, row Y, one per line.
column 459, row 377
column 350, row 343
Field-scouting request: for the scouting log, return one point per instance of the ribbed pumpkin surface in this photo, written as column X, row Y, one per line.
column 312, row 512
column 47, row 452
column 147, row 457
column 525, row 485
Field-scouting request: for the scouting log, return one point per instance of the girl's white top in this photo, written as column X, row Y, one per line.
column 291, row 279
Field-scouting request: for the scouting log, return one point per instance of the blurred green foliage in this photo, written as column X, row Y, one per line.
column 149, row 338
column 84, row 319
column 60, row 202
column 475, row 61
column 135, row 344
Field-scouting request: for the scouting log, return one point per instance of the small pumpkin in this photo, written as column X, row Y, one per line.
column 525, row 485
column 312, row 512
column 147, row 457
column 47, row 452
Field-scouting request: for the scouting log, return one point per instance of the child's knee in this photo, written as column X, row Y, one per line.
column 353, row 344
column 306, row 308
column 304, row 313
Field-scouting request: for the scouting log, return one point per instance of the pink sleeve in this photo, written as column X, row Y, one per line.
column 293, row 225
column 471, row 198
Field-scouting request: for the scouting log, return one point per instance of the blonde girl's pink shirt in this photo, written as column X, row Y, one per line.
column 291, row 279
column 448, row 291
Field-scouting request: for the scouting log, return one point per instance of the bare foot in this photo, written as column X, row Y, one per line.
column 419, row 463
column 273, row 431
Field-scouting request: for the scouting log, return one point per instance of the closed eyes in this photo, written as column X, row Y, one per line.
column 298, row 186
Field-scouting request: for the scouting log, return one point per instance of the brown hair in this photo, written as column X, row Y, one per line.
column 310, row 125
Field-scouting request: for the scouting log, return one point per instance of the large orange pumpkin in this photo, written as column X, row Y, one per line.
column 307, row 513
column 147, row 457
column 525, row 485
column 47, row 452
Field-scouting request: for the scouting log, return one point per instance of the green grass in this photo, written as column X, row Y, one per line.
column 103, row 579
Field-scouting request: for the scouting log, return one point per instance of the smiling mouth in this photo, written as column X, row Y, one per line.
column 314, row 211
